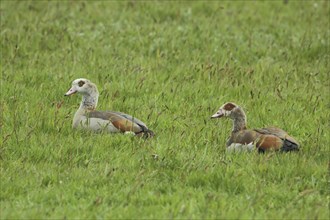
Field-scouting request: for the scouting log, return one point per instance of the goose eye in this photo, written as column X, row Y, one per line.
column 81, row 83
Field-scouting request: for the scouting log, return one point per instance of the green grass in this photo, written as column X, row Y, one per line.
column 172, row 65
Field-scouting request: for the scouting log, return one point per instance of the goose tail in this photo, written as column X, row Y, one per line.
column 145, row 133
column 289, row 146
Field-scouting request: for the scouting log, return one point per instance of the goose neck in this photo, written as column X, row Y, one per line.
column 239, row 121
column 89, row 101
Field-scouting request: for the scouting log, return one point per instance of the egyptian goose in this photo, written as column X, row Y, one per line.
column 264, row 139
column 88, row 118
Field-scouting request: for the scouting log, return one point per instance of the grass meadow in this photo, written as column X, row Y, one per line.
column 171, row 64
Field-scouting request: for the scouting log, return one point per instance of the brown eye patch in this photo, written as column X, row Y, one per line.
column 81, row 83
column 229, row 106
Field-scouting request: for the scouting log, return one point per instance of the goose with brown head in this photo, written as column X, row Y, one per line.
column 269, row 138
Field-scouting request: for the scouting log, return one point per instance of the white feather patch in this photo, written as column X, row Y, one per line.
column 97, row 124
column 129, row 133
column 237, row 147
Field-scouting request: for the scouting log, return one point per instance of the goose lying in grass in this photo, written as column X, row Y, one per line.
column 264, row 139
column 87, row 117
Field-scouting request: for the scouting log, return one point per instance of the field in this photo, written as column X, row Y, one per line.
column 170, row 64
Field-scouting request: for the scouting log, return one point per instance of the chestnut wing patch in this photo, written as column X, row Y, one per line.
column 120, row 122
column 267, row 142
column 262, row 141
column 129, row 117
column 278, row 133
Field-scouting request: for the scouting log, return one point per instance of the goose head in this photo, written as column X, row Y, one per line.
column 228, row 109
column 88, row 90
column 83, row 87
column 235, row 113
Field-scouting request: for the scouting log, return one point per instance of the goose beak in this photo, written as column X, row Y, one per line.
column 71, row 92
column 219, row 114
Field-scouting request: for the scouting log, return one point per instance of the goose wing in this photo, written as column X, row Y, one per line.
column 131, row 118
column 278, row 133
column 121, row 121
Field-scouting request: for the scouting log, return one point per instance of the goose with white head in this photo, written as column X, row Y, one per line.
column 87, row 117
column 264, row 139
